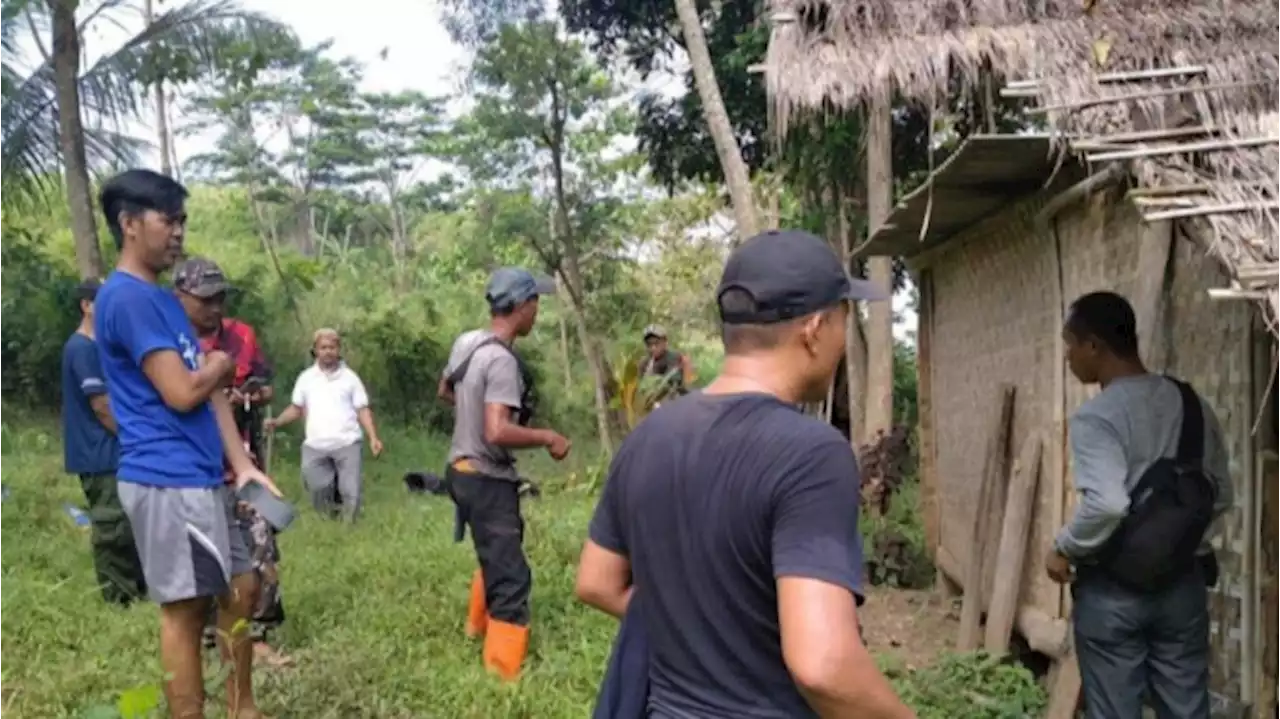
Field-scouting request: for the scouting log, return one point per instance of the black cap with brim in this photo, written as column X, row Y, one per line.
column 787, row 274
column 87, row 290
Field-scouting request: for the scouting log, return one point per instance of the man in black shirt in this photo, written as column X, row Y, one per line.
column 735, row 516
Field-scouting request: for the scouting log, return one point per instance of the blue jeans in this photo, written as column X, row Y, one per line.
column 1134, row 647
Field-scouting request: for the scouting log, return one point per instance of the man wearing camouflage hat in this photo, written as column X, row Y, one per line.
column 202, row 289
column 673, row 370
column 492, row 392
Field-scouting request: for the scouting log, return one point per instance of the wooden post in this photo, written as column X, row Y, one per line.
column 1064, row 692
column 1057, row 446
column 879, row 394
column 1155, row 256
column 1011, row 557
column 970, row 636
column 924, row 401
column 1269, row 586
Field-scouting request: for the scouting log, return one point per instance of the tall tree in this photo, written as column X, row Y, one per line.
column 52, row 101
column 547, row 121
column 398, row 131
column 735, row 170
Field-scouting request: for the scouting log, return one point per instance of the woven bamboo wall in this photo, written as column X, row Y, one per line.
column 995, row 321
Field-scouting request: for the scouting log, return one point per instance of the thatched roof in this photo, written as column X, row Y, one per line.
column 1200, row 82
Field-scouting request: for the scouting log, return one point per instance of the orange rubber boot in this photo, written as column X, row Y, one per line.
column 477, row 612
column 505, row 646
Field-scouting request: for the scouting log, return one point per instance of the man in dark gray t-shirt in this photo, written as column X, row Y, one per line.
column 490, row 390
column 732, row 518
column 1131, row 645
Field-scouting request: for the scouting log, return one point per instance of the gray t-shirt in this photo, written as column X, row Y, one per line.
column 1115, row 438
column 492, row 378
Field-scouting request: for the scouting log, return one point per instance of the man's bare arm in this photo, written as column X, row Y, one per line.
column 290, row 414
column 102, row 408
column 604, row 580
column 182, row 389
column 364, row 415
column 232, row 444
column 825, row 655
column 501, row 431
column 686, row 369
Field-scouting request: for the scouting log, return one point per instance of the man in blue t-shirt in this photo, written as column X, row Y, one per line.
column 92, row 452
column 174, row 427
column 734, row 517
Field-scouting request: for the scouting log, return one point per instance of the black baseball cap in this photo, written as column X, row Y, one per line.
column 200, row 277
column 788, row 274
column 87, row 290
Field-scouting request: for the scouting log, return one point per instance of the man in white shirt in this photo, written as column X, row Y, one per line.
column 333, row 399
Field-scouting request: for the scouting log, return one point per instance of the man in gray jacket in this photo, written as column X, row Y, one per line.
column 1132, row 645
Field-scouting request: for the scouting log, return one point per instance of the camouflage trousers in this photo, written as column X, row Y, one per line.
column 268, row 613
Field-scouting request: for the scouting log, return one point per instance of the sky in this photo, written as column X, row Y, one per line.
column 402, row 45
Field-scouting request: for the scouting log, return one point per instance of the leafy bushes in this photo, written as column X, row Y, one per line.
column 39, row 313
column 398, row 318
column 972, row 686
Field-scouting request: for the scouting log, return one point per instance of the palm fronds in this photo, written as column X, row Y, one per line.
column 179, row 45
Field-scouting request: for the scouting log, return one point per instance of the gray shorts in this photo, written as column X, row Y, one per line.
column 188, row 539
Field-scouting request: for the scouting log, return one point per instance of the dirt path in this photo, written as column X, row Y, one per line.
column 912, row 626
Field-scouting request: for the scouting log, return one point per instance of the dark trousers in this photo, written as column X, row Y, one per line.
column 115, row 556
column 1134, row 647
column 490, row 507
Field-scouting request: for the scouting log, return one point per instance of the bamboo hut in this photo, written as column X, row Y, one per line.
column 1155, row 176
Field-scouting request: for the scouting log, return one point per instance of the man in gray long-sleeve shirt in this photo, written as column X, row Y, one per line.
column 1131, row 646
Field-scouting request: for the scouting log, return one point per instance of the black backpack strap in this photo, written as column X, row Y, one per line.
column 526, row 376
column 1191, row 438
column 460, row 371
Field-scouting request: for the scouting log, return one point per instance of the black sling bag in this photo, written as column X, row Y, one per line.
column 1170, row 510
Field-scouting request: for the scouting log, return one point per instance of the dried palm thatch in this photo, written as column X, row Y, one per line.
column 1185, row 90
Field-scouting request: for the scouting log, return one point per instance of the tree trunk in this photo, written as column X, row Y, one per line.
column 736, row 175
column 595, row 361
column 399, row 242
column 566, row 358
column 879, row 395
column 855, row 349
column 66, row 73
column 162, row 113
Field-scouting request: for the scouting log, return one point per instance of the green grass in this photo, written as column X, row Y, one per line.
column 375, row 612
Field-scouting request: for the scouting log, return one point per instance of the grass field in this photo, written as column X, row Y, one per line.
column 375, row 611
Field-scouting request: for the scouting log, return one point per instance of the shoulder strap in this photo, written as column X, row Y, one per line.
column 461, row 371
column 1191, row 438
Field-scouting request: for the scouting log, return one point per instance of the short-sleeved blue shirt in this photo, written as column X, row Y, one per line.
column 159, row 446
column 88, row 448
column 713, row 498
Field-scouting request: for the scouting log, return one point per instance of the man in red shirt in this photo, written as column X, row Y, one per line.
column 202, row 288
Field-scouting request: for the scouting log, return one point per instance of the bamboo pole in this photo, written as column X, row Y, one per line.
column 1128, row 76
column 1205, row 146
column 1147, row 95
column 1203, row 210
